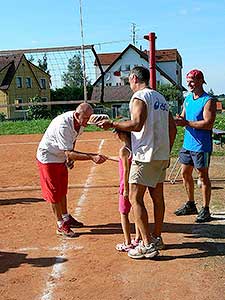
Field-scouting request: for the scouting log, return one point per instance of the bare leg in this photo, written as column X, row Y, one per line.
column 64, row 205
column 57, row 210
column 126, row 228
column 188, row 181
column 206, row 185
column 137, row 192
column 137, row 233
column 159, row 208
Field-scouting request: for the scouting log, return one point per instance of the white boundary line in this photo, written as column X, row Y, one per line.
column 58, row 267
column 36, row 143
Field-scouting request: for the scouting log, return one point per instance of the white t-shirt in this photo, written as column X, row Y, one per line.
column 59, row 137
column 152, row 142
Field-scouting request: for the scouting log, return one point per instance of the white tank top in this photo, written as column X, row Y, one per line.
column 152, row 142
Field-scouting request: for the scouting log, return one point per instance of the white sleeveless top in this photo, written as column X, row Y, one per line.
column 152, row 142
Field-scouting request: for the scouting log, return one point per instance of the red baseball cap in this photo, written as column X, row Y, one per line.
column 196, row 74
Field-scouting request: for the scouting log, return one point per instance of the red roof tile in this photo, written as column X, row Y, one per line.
column 161, row 55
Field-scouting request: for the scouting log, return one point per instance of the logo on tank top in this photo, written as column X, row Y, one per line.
column 161, row 106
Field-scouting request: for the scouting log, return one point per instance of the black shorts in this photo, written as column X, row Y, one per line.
column 199, row 160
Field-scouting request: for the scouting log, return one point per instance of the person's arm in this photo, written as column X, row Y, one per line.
column 124, row 154
column 172, row 130
column 139, row 115
column 76, row 155
column 209, row 116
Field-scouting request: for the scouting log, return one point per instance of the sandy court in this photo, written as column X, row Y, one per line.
column 37, row 264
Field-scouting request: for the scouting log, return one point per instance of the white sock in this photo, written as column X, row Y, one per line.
column 59, row 223
column 65, row 217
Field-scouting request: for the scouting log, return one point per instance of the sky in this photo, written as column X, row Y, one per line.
column 195, row 28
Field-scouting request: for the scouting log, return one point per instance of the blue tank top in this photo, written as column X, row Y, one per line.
column 197, row 140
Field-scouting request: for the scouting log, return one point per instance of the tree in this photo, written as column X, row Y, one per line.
column 74, row 75
column 38, row 111
column 213, row 96
column 43, row 64
column 172, row 95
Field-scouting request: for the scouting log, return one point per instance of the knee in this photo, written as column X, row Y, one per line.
column 186, row 175
column 204, row 179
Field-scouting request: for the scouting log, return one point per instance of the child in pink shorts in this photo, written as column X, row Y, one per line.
column 125, row 158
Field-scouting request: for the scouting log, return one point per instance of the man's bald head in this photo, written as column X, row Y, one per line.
column 85, row 108
column 83, row 113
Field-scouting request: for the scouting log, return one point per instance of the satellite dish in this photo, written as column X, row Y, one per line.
column 108, row 76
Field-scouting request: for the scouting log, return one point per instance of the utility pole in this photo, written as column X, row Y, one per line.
column 83, row 55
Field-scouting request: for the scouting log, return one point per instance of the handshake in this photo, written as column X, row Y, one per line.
column 180, row 121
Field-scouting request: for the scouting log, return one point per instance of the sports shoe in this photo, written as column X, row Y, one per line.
column 158, row 242
column 135, row 242
column 65, row 230
column 204, row 215
column 74, row 223
column 189, row 208
column 123, row 247
column 142, row 251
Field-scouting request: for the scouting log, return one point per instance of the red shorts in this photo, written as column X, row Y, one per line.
column 54, row 181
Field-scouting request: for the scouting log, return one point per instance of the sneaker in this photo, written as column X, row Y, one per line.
column 141, row 251
column 188, row 208
column 204, row 215
column 123, row 247
column 74, row 223
column 65, row 230
column 158, row 242
column 135, row 242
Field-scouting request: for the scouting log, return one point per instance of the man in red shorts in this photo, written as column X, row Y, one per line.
column 55, row 155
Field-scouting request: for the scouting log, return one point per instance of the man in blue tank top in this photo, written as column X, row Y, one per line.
column 198, row 116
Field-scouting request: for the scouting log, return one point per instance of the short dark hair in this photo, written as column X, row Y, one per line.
column 116, row 130
column 142, row 74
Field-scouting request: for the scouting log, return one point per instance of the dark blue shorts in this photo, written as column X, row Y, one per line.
column 199, row 160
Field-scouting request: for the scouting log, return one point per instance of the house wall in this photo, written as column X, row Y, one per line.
column 131, row 58
column 173, row 69
column 98, row 72
column 3, row 100
column 124, row 65
column 24, row 93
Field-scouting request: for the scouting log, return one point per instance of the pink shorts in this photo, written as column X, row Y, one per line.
column 124, row 205
column 54, row 181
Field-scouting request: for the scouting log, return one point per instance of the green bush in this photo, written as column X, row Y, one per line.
column 2, row 117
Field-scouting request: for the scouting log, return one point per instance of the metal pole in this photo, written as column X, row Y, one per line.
column 152, row 62
column 83, row 56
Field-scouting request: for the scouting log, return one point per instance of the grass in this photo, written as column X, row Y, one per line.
column 39, row 127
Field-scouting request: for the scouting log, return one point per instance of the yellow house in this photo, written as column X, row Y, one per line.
column 20, row 80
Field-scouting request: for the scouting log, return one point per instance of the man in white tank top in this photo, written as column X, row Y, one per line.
column 153, row 132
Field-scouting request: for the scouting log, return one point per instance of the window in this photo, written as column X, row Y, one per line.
column 19, row 82
column 43, row 83
column 127, row 68
column 19, row 101
column 28, row 82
